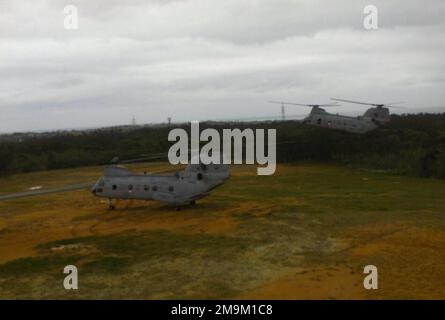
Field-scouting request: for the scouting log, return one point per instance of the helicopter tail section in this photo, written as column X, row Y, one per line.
column 379, row 114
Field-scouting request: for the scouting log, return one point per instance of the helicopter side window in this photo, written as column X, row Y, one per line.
column 114, row 187
column 319, row 121
column 146, row 188
column 155, row 188
column 170, row 189
column 130, row 187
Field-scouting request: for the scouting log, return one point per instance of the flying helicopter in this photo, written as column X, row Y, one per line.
column 178, row 188
column 370, row 120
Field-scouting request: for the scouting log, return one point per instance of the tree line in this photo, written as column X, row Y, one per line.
column 409, row 144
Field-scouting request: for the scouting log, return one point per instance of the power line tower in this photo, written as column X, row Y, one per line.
column 169, row 120
column 283, row 112
column 133, row 121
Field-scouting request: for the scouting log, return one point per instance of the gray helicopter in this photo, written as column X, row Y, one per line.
column 179, row 188
column 370, row 120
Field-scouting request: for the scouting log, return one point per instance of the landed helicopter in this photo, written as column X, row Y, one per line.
column 370, row 120
column 178, row 188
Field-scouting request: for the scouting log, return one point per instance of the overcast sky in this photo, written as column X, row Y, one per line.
column 212, row 59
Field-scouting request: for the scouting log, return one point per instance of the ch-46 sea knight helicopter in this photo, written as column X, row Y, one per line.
column 370, row 120
column 174, row 188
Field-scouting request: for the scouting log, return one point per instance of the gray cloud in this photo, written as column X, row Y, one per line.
column 203, row 59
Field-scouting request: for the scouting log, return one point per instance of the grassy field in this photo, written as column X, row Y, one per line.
column 306, row 232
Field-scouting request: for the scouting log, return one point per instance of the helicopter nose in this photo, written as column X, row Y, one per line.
column 94, row 188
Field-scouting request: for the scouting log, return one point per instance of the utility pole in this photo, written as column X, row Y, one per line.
column 283, row 112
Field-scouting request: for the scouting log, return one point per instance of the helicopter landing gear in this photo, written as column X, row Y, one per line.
column 110, row 204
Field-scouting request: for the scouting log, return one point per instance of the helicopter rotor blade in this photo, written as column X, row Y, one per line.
column 305, row 104
column 326, row 105
column 290, row 103
column 392, row 105
column 259, row 119
column 153, row 154
column 66, row 188
column 143, row 159
column 395, row 107
column 389, row 105
column 353, row 101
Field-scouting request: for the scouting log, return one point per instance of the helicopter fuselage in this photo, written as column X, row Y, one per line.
column 369, row 121
column 180, row 188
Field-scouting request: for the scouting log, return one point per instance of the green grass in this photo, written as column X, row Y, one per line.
column 279, row 223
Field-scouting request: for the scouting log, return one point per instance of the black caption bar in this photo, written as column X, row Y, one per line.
column 213, row 309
